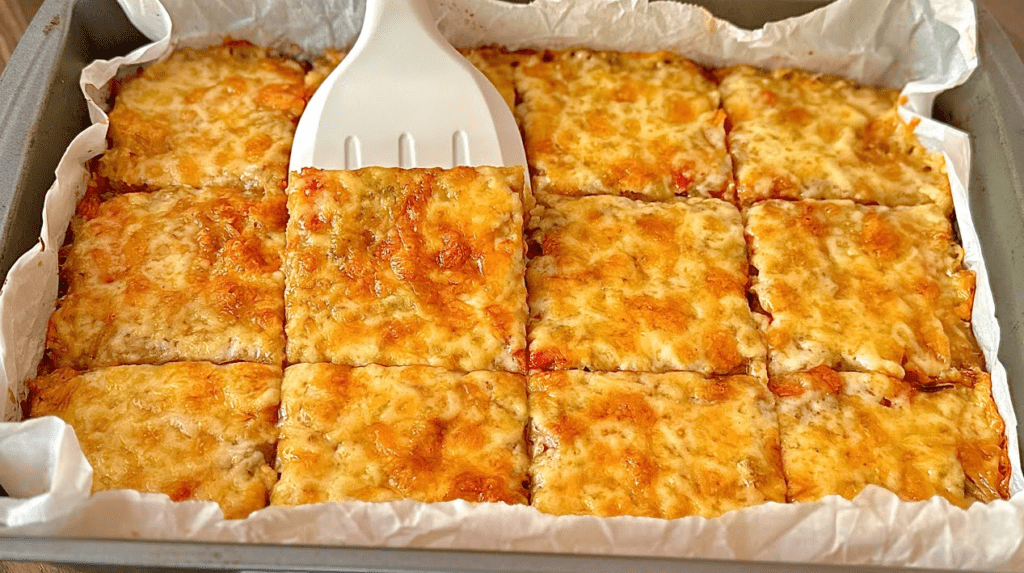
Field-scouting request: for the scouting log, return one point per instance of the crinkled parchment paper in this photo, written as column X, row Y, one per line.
column 926, row 46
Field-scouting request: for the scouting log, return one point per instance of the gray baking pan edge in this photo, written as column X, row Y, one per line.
column 41, row 109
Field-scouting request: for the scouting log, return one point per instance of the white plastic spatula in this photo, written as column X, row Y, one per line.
column 403, row 97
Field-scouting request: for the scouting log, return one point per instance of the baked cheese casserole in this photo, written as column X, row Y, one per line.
column 842, row 431
column 863, row 288
column 642, row 341
column 190, row 430
column 380, row 433
column 404, row 267
column 642, row 125
column 652, row 444
column 223, row 116
column 177, row 274
column 617, row 284
column 796, row 135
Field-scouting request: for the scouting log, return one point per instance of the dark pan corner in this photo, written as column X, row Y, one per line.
column 63, row 38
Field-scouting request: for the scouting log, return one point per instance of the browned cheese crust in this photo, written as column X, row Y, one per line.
column 656, row 445
column 177, row 274
column 642, row 125
column 403, row 267
column 222, row 116
column 386, row 433
column 191, row 430
column 617, row 284
column 861, row 288
column 843, row 431
column 797, row 135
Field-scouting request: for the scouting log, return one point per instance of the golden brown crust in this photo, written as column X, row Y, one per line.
column 191, row 430
column 797, row 135
column 177, row 274
column 386, row 433
column 656, row 445
column 424, row 270
column 842, row 431
column 644, row 125
column 861, row 288
column 618, row 284
column 222, row 116
column 403, row 267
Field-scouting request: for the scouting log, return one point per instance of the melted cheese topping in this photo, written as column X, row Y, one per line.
column 221, row 116
column 387, row 433
column 177, row 274
column 656, row 445
column 644, row 125
column 403, row 267
column 497, row 65
column 796, row 135
column 618, row 284
column 868, row 289
column 844, row 431
column 191, row 430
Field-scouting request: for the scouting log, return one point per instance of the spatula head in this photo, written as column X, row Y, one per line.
column 405, row 98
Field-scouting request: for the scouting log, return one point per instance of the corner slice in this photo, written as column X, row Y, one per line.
column 190, row 430
column 655, row 445
column 618, row 284
column 842, row 431
column 388, row 433
column 404, row 267
column 797, row 135
column 865, row 289
column 174, row 275
column 642, row 125
column 222, row 116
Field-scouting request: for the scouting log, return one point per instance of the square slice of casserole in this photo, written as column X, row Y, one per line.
column 843, row 431
column 642, row 125
column 380, row 433
column 221, row 116
column 656, row 445
column 191, row 430
column 865, row 289
column 404, row 267
column 617, row 284
column 797, row 135
column 173, row 275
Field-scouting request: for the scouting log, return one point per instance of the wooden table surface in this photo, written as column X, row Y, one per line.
column 14, row 567
column 15, row 14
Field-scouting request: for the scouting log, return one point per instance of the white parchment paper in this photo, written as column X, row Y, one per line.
column 924, row 45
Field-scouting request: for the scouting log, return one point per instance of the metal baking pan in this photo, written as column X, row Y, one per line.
column 42, row 109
